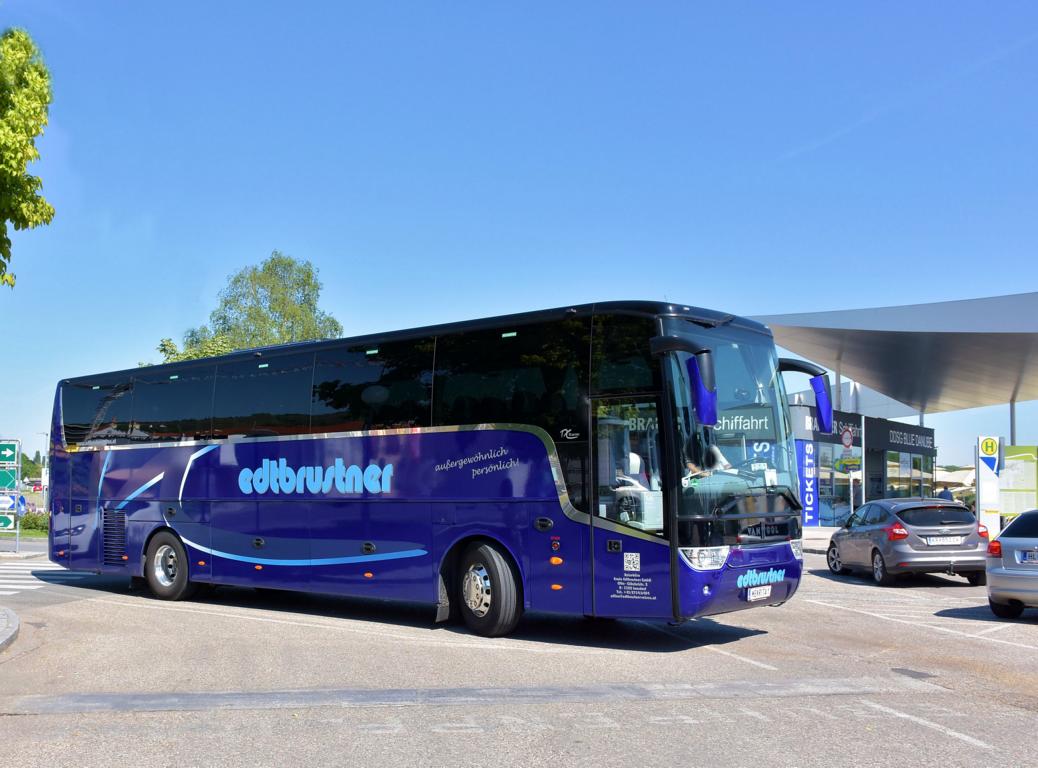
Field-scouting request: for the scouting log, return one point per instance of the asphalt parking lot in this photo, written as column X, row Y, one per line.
column 846, row 673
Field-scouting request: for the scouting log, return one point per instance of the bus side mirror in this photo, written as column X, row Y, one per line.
column 819, row 383
column 704, row 389
column 700, row 367
column 824, row 401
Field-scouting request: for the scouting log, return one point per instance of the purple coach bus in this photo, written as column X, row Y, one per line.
column 625, row 459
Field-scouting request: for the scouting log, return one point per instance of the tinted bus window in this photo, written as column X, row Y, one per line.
column 175, row 405
column 263, row 396
column 533, row 374
column 96, row 411
column 621, row 360
column 372, row 386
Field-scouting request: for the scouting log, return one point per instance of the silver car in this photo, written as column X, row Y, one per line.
column 1013, row 567
column 895, row 536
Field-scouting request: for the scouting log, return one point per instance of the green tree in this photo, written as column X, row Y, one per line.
column 24, row 100
column 273, row 303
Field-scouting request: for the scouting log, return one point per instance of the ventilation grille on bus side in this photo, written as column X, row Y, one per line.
column 114, row 537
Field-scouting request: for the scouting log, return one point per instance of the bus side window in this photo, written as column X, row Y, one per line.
column 263, row 396
column 173, row 404
column 96, row 410
column 528, row 374
column 372, row 386
column 621, row 361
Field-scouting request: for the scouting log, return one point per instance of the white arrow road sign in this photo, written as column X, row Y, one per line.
column 7, row 502
column 7, row 453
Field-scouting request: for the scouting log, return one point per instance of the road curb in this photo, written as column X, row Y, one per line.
column 8, row 627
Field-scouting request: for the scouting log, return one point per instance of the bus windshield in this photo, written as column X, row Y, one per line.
column 750, row 454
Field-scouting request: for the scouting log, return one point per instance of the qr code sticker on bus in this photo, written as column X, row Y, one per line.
column 632, row 561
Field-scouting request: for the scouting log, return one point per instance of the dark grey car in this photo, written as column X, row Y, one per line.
column 895, row 536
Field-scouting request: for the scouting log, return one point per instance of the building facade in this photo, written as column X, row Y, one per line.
column 899, row 461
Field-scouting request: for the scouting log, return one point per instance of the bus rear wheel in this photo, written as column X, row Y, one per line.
column 488, row 591
column 166, row 566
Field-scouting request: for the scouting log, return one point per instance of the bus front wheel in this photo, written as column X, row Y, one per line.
column 488, row 591
column 166, row 566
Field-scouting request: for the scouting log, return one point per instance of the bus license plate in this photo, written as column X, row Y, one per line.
column 937, row 541
column 758, row 593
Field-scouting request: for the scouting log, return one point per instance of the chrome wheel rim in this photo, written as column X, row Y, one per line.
column 877, row 567
column 834, row 559
column 475, row 589
column 165, row 565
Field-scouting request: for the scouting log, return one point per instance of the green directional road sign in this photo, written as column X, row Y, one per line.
column 8, row 479
column 8, row 451
column 7, row 522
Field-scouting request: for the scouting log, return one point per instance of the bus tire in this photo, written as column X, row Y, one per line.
column 488, row 591
column 166, row 568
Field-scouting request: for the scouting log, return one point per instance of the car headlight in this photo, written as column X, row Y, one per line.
column 706, row 558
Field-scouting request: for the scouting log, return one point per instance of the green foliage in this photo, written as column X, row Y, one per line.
column 37, row 459
column 35, row 521
column 196, row 345
column 30, row 468
column 273, row 303
column 24, row 100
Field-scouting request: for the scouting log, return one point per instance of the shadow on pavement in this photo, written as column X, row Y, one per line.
column 907, row 580
column 618, row 634
column 983, row 613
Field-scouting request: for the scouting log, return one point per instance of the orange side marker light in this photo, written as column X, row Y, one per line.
column 368, row 575
column 126, row 557
column 201, row 562
column 556, row 587
column 259, row 567
column 555, row 561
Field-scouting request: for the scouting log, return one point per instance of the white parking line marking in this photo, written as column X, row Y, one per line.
column 929, row 724
column 996, row 628
column 925, row 626
column 711, row 648
column 744, row 659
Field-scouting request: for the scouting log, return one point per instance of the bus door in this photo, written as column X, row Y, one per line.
column 631, row 556
column 84, row 528
column 60, row 508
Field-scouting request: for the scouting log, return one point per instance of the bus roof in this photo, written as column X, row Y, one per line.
column 705, row 317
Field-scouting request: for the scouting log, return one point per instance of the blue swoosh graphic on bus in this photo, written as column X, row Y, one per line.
column 104, row 469
column 141, row 490
column 322, row 561
column 190, row 461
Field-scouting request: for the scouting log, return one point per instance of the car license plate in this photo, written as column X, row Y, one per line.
column 942, row 541
column 1029, row 557
column 758, row 593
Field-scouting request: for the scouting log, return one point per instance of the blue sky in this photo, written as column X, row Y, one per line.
column 445, row 161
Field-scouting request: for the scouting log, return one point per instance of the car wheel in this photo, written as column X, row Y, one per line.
column 1006, row 610
column 166, row 567
column 977, row 578
column 832, row 558
column 488, row 591
column 880, row 574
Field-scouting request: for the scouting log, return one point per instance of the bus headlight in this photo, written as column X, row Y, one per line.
column 797, row 545
column 705, row 558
